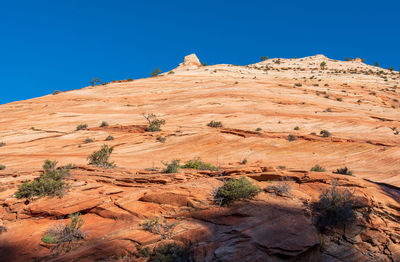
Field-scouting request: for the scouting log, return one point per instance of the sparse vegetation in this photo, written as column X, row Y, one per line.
column 56, row 92
column 291, row 138
column 172, row 167
column 296, row 128
column 244, row 161
column 236, row 189
column 100, row 157
column 2, row 167
column 263, row 58
column 88, row 140
column 159, row 226
column 103, row 124
column 335, row 208
column 95, row 81
column 109, row 138
column 317, row 168
column 325, row 133
column 171, row 252
column 323, row 65
column 161, row 139
column 65, row 237
column 215, row 124
column 343, row 171
column 2, row 144
column 51, row 182
column 154, row 123
column 155, row 72
column 280, row 189
column 81, row 127
column 258, row 129
column 199, row 165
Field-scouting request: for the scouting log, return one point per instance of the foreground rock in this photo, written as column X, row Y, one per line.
column 268, row 228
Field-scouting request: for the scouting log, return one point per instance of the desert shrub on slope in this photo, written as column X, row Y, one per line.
column 51, row 182
column 236, row 189
column 100, row 157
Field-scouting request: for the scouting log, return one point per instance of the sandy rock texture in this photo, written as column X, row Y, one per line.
column 260, row 106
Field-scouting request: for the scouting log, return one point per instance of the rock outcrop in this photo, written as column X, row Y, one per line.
column 272, row 115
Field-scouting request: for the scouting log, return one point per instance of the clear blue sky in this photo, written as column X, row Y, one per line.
column 63, row 44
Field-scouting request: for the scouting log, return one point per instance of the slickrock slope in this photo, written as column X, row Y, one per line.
column 260, row 105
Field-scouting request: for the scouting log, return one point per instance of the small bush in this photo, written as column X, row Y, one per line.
column 88, row 140
column 103, row 124
column 343, row 171
column 51, row 182
column 298, row 84
column 244, row 161
column 161, row 139
column 291, row 138
column 81, row 127
column 280, row 189
column 2, row 144
column 317, row 168
column 335, row 208
column 100, row 157
column 297, row 128
column 214, row 124
column 95, row 81
column 154, row 123
column 325, row 133
column 199, row 165
column 258, row 129
column 172, row 167
column 171, row 252
column 66, row 237
column 155, row 72
column 159, row 226
column 236, row 189
column 56, row 92
column 109, row 138
column 2, row 167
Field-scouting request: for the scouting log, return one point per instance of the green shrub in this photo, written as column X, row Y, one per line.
column 88, row 140
column 335, row 208
column 244, row 161
column 100, row 157
column 198, row 164
column 171, row 167
column 2, row 144
column 161, row 139
column 297, row 128
column 154, row 123
column 343, row 171
column 51, row 182
column 81, row 127
column 317, row 168
column 171, row 252
column 214, row 124
column 236, row 189
column 323, row 65
column 159, row 226
column 291, row 138
column 258, row 129
column 49, row 239
column 95, row 81
column 109, row 138
column 56, row 92
column 298, row 84
column 103, row 124
column 155, row 72
column 2, row 167
column 66, row 237
column 325, row 133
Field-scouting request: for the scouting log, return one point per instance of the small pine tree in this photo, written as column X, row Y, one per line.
column 155, row 72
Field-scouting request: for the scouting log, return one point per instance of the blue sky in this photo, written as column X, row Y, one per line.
column 62, row 45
